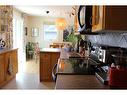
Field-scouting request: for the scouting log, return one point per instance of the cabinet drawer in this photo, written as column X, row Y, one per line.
column 45, row 60
column 45, row 56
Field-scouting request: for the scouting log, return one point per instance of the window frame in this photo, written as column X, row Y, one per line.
column 49, row 31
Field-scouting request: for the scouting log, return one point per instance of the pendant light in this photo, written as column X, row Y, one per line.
column 61, row 23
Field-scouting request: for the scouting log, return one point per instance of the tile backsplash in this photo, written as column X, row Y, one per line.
column 110, row 39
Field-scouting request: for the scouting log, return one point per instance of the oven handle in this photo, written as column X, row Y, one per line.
column 54, row 75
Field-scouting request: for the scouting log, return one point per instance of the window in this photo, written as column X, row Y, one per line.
column 50, row 32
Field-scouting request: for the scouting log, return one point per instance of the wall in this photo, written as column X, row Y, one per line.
column 18, row 36
column 110, row 39
column 6, row 26
column 36, row 21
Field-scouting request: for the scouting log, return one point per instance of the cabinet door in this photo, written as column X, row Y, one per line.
column 11, row 64
column 54, row 59
column 2, row 74
column 45, row 71
column 14, row 61
column 45, row 67
column 76, row 25
column 97, row 18
column 8, row 74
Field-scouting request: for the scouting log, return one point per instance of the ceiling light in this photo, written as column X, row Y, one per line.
column 61, row 23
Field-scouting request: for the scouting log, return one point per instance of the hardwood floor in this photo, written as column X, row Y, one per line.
column 28, row 78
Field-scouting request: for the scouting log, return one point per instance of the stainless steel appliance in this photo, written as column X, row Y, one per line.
column 102, row 55
column 85, row 20
column 105, row 54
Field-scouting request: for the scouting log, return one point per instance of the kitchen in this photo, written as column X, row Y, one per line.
column 100, row 50
column 102, row 65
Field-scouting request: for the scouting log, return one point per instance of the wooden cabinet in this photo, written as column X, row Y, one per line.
column 45, row 66
column 11, row 64
column 8, row 66
column 14, row 60
column 2, row 73
column 97, row 21
column 109, row 18
column 47, row 61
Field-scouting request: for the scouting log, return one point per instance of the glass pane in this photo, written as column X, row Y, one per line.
column 49, row 36
column 50, row 28
column 50, row 32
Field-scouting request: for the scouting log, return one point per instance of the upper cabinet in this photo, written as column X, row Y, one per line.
column 111, row 18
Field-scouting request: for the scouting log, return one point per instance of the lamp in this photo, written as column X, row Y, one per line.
column 61, row 23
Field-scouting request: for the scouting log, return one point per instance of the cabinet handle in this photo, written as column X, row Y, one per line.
column 90, row 21
column 54, row 75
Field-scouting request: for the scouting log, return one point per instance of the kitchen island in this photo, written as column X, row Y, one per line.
column 48, row 58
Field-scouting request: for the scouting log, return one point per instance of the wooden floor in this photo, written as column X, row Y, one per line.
column 28, row 78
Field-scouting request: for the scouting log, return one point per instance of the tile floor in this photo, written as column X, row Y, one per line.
column 28, row 78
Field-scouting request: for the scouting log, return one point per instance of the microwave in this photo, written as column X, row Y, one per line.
column 85, row 19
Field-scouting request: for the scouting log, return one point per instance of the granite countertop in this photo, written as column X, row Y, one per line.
column 79, row 82
column 6, row 50
column 50, row 50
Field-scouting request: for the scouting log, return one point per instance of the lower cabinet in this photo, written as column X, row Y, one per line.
column 2, row 73
column 47, row 61
column 11, row 66
column 8, row 66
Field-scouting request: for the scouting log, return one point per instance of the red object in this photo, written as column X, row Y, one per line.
column 118, row 77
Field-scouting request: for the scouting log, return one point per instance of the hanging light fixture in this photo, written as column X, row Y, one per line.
column 61, row 23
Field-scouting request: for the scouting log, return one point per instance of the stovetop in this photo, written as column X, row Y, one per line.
column 76, row 66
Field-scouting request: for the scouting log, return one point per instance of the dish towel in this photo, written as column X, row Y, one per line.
column 10, row 67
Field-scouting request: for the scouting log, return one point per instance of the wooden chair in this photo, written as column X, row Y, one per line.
column 54, row 46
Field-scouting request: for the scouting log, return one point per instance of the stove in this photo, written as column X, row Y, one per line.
column 80, row 66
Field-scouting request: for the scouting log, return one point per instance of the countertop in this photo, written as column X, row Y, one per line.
column 79, row 82
column 66, row 55
column 75, row 66
column 71, row 81
column 50, row 50
column 6, row 50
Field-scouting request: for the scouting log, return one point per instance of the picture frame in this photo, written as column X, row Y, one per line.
column 35, row 32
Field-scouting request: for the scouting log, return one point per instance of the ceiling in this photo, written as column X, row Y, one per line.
column 54, row 11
